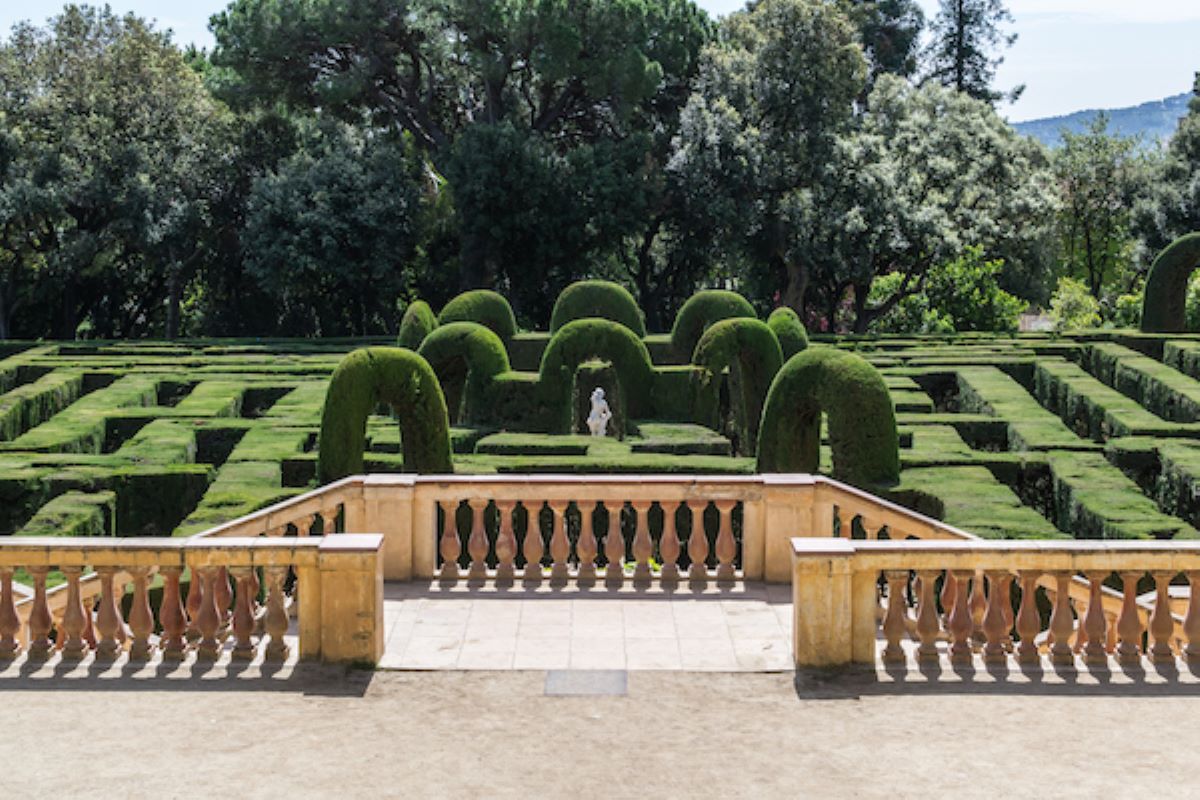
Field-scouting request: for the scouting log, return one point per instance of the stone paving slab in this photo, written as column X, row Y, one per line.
column 742, row 627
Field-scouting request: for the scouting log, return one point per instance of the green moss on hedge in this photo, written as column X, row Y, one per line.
column 789, row 330
column 700, row 311
column 1166, row 286
column 854, row 397
column 597, row 299
column 749, row 350
column 418, row 322
column 467, row 357
column 484, row 307
column 390, row 375
column 587, row 339
column 75, row 513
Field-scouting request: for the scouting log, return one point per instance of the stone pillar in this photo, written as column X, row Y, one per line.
column 351, row 599
column 823, row 625
column 789, row 510
column 388, row 509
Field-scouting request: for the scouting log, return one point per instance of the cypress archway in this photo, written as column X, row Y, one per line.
column 862, row 421
column 364, row 379
column 587, row 339
column 466, row 357
column 751, row 352
column 1165, row 300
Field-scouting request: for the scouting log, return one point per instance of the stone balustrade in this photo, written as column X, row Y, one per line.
column 236, row 588
column 960, row 598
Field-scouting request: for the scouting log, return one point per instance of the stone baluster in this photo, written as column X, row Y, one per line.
column 10, row 622
column 306, row 524
column 449, row 545
column 1062, row 623
column 74, row 617
column 614, row 548
column 668, row 544
column 1094, row 623
column 329, row 520
column 697, row 544
column 726, row 546
column 560, row 545
column 1006, row 608
column 89, row 630
column 871, row 528
column 960, row 619
column 643, row 547
column 1029, row 622
column 276, row 622
column 108, row 617
column 894, row 622
column 477, row 542
column 1162, row 624
column 243, row 613
column 195, row 598
column 928, row 624
column 506, row 541
column 978, row 605
column 1129, row 624
column 845, row 524
column 995, row 625
column 587, row 547
column 1191, row 623
column 141, row 617
column 223, row 595
column 533, row 548
column 208, row 622
column 172, row 617
column 40, row 620
column 949, row 592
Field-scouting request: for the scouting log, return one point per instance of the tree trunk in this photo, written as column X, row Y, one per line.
column 797, row 286
column 174, row 290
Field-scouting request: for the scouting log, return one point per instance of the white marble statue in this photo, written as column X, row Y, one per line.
column 600, row 414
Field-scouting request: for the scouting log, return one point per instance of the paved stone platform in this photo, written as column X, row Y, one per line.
column 743, row 627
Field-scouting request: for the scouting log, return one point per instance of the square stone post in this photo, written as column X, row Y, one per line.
column 351, row 598
column 788, row 512
column 827, row 596
column 387, row 508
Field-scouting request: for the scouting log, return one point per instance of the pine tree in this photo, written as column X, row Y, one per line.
column 891, row 35
column 963, row 53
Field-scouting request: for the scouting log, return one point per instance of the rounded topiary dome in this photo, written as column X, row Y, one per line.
column 749, row 349
column 597, row 299
column 417, row 323
column 1164, row 304
column 789, row 330
column 485, row 307
column 467, row 357
column 701, row 310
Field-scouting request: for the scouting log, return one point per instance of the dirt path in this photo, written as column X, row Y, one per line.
column 324, row 733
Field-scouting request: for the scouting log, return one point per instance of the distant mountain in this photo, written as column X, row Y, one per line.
column 1154, row 121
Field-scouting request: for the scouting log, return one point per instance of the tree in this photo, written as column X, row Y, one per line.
column 962, row 52
column 1171, row 207
column 891, row 35
column 1099, row 178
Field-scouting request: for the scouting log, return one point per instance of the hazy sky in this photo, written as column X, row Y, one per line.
column 1071, row 54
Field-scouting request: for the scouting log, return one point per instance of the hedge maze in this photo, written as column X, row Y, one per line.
column 1039, row 436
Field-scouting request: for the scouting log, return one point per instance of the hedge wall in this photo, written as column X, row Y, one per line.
column 485, row 307
column 749, row 349
column 418, row 322
column 597, row 299
column 700, row 311
column 789, row 330
column 1163, row 305
column 862, row 424
column 467, row 357
column 396, row 376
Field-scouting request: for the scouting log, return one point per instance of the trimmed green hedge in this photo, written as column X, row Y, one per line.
column 418, row 322
column 700, row 311
column 1163, row 306
column 597, row 299
column 396, row 376
column 749, row 350
column 587, row 339
column 467, row 357
column 862, row 424
column 485, row 307
column 789, row 330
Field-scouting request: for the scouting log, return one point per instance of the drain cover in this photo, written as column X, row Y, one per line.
column 586, row 682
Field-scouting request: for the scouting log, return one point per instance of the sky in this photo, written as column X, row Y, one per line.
column 1070, row 54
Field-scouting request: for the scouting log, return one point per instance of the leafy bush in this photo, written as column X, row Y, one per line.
column 703, row 309
column 467, row 357
column 417, row 323
column 862, row 421
column 404, row 380
column 1072, row 306
column 789, row 330
column 749, row 349
column 600, row 299
column 587, row 339
column 1127, row 310
column 1164, row 308
column 485, row 307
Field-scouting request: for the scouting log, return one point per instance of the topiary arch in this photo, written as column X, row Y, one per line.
column 701, row 310
column 364, row 379
column 862, row 422
column 417, row 323
column 588, row 339
column 467, row 357
column 750, row 351
column 1163, row 307
column 789, row 330
column 597, row 299
column 485, row 307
